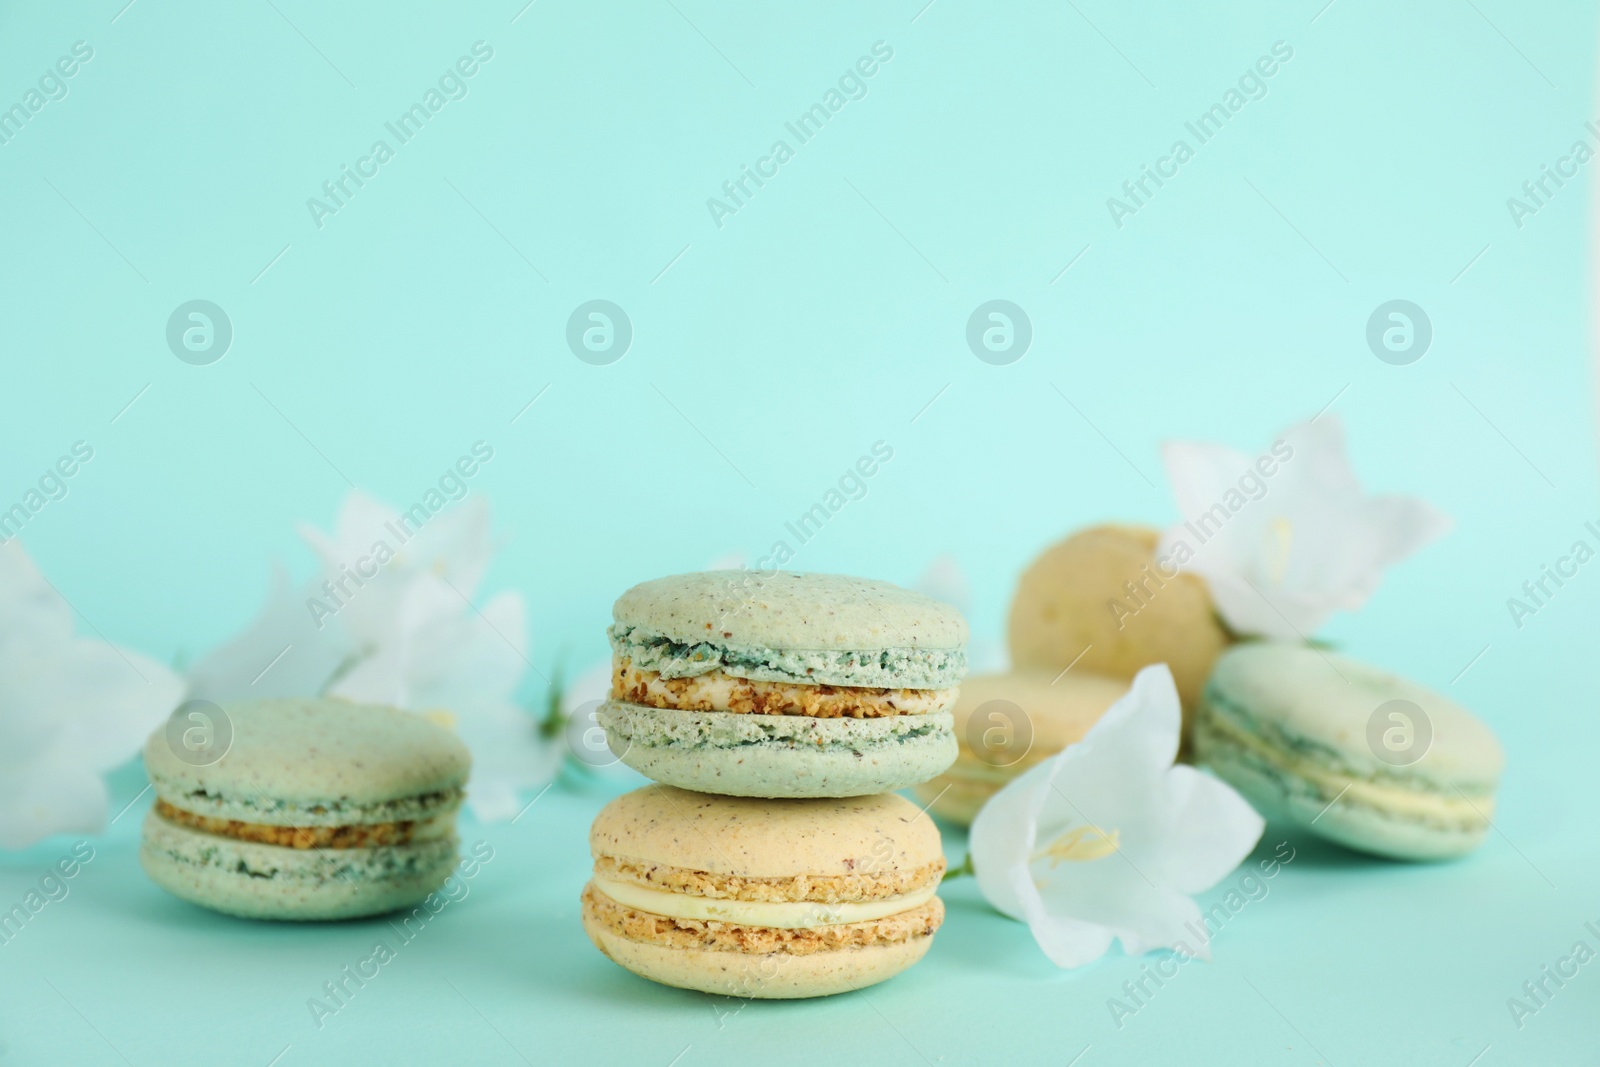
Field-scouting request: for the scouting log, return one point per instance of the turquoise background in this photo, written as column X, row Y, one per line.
column 827, row 314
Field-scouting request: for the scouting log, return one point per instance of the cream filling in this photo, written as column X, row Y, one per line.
column 720, row 689
column 350, row 835
column 784, row 915
column 1478, row 809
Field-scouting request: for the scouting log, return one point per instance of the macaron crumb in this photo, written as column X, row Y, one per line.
column 303, row 837
column 637, row 925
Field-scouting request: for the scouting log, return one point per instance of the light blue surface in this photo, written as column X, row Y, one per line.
column 828, row 314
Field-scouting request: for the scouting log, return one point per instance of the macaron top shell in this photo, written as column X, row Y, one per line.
column 1072, row 607
column 787, row 626
column 752, row 838
column 790, row 610
column 1056, row 709
column 1329, row 704
column 293, row 757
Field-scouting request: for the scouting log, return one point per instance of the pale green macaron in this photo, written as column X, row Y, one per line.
column 780, row 684
column 1348, row 751
column 302, row 809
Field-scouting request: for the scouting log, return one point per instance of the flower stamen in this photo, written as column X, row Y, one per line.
column 1082, row 844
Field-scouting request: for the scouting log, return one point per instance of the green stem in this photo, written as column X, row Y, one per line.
column 553, row 722
column 961, row 871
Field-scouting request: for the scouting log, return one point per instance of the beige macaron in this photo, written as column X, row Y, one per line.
column 1008, row 723
column 763, row 898
column 1101, row 601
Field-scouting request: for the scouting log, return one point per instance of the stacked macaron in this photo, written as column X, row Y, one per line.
column 783, row 685
column 806, row 696
column 761, row 898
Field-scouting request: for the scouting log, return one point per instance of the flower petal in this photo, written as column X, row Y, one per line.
column 70, row 708
column 1127, row 902
column 1247, row 609
column 360, row 522
column 401, row 628
column 1282, row 551
column 282, row 652
column 110, row 701
column 50, row 798
column 1002, row 839
column 31, row 611
column 1107, row 839
column 1211, row 831
column 1201, row 473
column 1114, row 771
column 509, row 758
column 1066, row 941
column 944, row 580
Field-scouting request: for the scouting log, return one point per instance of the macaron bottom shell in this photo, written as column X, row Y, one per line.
column 259, row 881
column 767, row 976
column 779, row 756
column 1279, row 794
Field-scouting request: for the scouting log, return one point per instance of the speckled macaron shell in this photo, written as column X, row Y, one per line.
column 754, row 838
column 257, row 881
column 1304, row 706
column 1325, row 700
column 778, row 755
column 1018, row 719
column 768, row 977
column 317, row 762
column 785, row 626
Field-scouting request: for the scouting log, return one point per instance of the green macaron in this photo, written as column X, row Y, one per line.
column 302, row 809
column 780, row 684
column 1356, row 754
